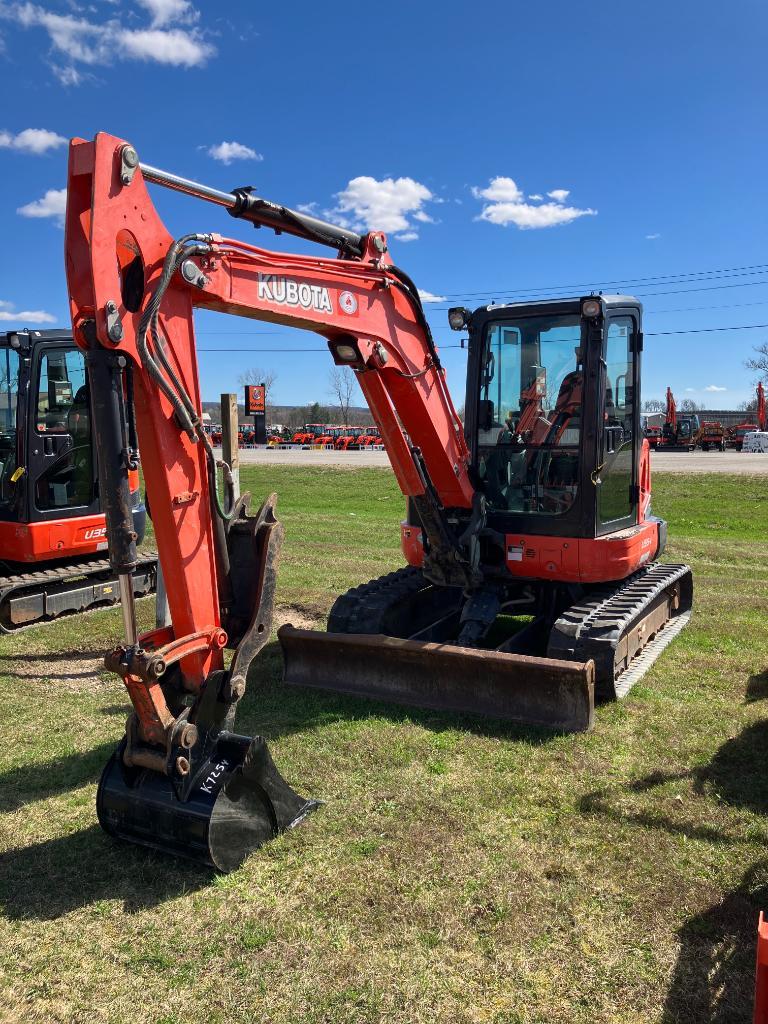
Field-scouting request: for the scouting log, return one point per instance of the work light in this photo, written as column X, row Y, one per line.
column 458, row 318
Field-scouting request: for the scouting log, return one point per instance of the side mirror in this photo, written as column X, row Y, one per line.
column 485, row 414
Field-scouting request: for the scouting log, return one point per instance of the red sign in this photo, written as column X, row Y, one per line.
column 255, row 402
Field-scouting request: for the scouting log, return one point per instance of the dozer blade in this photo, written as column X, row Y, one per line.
column 237, row 801
column 531, row 691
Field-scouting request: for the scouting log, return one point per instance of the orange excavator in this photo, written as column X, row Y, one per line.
column 52, row 529
column 678, row 433
column 532, row 580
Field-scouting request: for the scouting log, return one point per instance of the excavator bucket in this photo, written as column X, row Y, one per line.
column 213, row 796
column 531, row 691
column 237, row 802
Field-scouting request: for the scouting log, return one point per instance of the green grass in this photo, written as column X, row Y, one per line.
column 459, row 871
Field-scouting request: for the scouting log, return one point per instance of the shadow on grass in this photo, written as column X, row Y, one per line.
column 49, row 879
column 28, row 783
column 757, row 688
column 736, row 774
column 713, row 980
column 10, row 664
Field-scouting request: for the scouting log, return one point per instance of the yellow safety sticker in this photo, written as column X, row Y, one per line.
column 18, row 474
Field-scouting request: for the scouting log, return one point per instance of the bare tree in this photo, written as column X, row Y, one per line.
column 342, row 384
column 760, row 363
column 748, row 405
column 688, row 405
column 255, row 375
column 654, row 405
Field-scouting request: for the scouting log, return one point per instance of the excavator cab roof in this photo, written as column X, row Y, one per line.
column 25, row 338
column 560, row 305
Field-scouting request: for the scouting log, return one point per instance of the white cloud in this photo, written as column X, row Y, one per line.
column 165, row 46
column 500, row 190
column 714, row 387
column 32, row 140
column 692, row 390
column 26, row 316
column 429, row 297
column 524, row 216
column 423, row 216
column 652, row 237
column 226, row 152
column 68, row 75
column 505, row 205
column 52, row 204
column 387, row 205
column 407, row 236
column 165, row 11
column 94, row 43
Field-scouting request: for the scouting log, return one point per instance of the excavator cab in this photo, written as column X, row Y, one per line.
column 50, row 512
column 552, row 418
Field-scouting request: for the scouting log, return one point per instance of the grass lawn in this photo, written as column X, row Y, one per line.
column 460, row 870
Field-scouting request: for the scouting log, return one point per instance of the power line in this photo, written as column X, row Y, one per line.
column 745, row 271
column 706, row 330
column 641, row 295
column 648, row 334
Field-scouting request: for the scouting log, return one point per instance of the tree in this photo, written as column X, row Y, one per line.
column 313, row 413
column 688, row 405
column 748, row 405
column 255, row 375
column 654, row 405
column 342, row 385
column 760, row 363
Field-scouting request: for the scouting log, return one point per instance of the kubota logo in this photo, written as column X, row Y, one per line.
column 347, row 303
column 286, row 292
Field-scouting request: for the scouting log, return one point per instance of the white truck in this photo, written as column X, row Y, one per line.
column 756, row 441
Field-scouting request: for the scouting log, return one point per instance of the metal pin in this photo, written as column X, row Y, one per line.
column 128, row 605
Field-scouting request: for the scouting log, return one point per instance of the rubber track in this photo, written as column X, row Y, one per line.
column 59, row 577
column 362, row 609
column 594, row 627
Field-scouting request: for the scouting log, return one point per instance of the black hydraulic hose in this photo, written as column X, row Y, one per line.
column 183, row 407
column 410, row 289
column 133, row 437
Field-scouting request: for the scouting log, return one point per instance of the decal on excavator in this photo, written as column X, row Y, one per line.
column 286, row 292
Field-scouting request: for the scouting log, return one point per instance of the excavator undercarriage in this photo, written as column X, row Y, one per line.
column 395, row 639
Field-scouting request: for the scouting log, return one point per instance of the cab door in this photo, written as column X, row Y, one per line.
column 616, row 478
column 60, row 445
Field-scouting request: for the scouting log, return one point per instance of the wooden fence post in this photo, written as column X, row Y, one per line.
column 229, row 448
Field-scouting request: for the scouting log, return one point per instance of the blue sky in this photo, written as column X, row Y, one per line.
column 641, row 127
